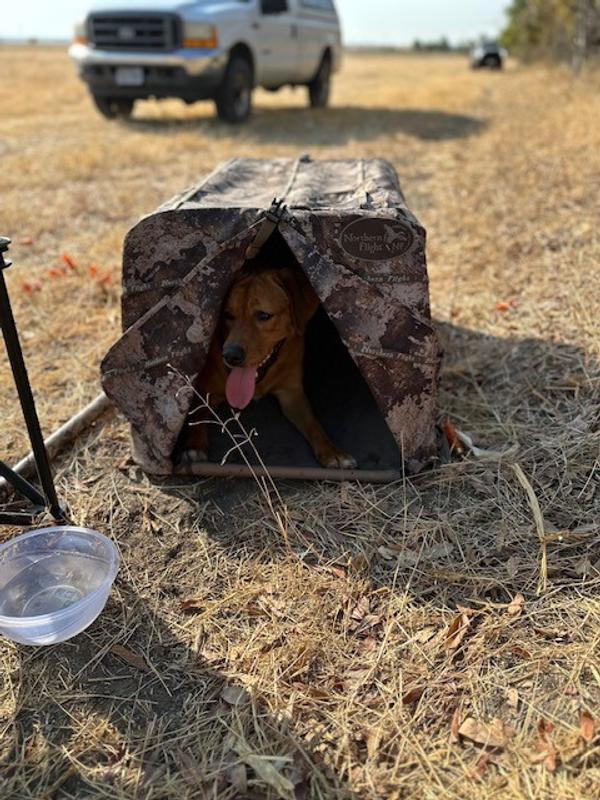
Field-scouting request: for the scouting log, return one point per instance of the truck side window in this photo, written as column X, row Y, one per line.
column 273, row 6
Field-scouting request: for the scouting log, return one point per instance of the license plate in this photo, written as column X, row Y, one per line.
column 129, row 76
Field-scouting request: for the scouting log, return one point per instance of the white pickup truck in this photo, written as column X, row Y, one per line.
column 208, row 49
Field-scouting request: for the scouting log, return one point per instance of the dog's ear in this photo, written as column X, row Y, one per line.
column 303, row 298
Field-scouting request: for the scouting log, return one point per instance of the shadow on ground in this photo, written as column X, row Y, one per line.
column 146, row 719
column 333, row 126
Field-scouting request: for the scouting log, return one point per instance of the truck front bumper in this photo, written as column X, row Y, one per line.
column 188, row 74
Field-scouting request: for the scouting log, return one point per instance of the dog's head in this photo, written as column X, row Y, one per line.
column 261, row 311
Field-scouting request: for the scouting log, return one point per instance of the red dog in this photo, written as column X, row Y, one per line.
column 258, row 349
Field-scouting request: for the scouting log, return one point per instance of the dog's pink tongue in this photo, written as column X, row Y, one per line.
column 240, row 386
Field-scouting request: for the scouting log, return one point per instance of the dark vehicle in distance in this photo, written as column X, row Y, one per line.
column 487, row 55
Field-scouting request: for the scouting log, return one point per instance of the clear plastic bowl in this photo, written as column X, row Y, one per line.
column 54, row 582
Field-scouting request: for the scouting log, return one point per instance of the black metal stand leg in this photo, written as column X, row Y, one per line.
column 21, row 485
column 15, row 356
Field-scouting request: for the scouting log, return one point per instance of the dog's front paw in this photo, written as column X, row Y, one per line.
column 336, row 459
column 192, row 456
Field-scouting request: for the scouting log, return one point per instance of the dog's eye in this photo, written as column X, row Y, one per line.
column 263, row 316
column 228, row 316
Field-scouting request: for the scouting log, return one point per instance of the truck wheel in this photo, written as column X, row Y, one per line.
column 320, row 86
column 114, row 107
column 234, row 97
column 493, row 62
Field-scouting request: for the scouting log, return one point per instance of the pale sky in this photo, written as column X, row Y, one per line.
column 387, row 22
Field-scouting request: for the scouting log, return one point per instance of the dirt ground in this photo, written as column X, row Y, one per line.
column 435, row 638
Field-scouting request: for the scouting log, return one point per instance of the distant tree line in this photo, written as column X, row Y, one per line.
column 441, row 45
column 560, row 29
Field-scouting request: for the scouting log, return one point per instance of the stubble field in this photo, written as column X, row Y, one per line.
column 435, row 638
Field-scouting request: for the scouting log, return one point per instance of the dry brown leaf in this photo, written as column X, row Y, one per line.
column 195, row 604
column 515, row 607
column 278, row 641
column 256, row 610
column 479, row 767
column 512, row 698
column 190, row 770
column 393, row 547
column 495, row 734
column 368, row 645
column 455, row 725
column 355, row 677
column 469, row 612
column 339, row 572
column 547, row 755
column 456, row 631
column 520, row 651
column 359, row 564
column 360, row 609
column 265, row 605
column 546, row 752
column 587, row 727
column 551, row 760
column 413, row 695
column 361, row 616
column 313, row 691
column 135, row 660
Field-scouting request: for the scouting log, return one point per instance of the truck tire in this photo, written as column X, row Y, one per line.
column 320, row 86
column 234, row 97
column 492, row 62
column 114, row 107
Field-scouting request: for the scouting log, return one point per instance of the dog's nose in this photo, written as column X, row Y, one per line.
column 234, row 355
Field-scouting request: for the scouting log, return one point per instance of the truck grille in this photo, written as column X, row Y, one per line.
column 141, row 32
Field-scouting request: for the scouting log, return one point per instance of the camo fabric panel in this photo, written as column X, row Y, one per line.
column 161, row 249
column 142, row 371
column 393, row 344
column 364, row 252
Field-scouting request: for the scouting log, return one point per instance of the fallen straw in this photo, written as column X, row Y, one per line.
column 539, row 524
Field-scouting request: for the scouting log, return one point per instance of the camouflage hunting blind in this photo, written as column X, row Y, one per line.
column 372, row 355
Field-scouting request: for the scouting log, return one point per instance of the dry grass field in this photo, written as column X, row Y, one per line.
column 438, row 638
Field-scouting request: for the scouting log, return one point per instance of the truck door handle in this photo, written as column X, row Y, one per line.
column 256, row 25
column 294, row 31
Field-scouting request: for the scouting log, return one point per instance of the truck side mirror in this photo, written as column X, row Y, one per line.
column 273, row 6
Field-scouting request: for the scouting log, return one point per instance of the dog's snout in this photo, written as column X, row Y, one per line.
column 234, row 355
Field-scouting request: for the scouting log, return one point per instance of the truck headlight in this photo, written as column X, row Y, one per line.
column 196, row 34
column 80, row 34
